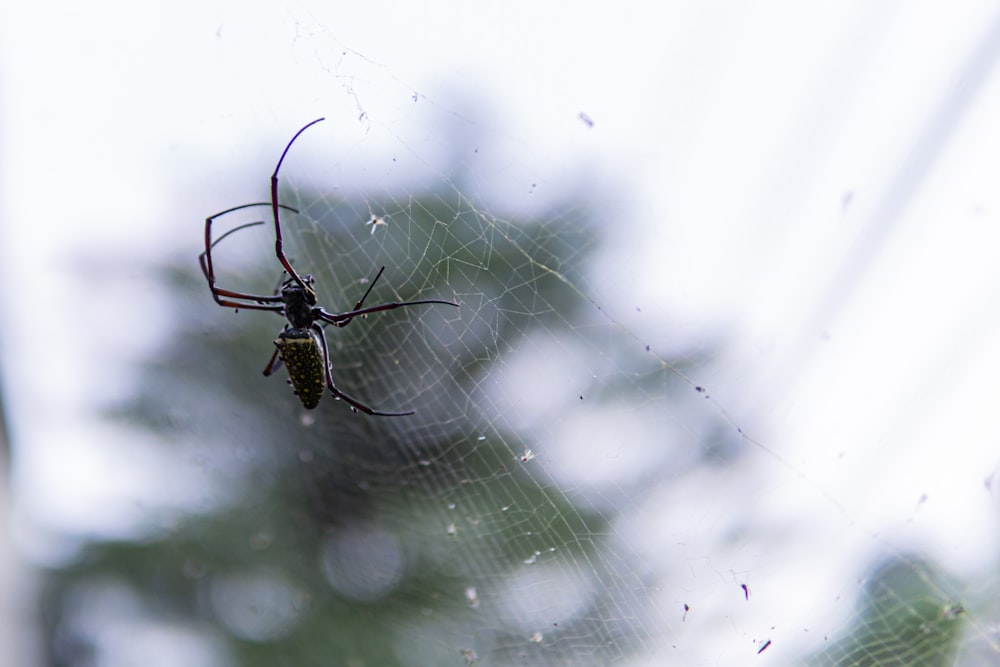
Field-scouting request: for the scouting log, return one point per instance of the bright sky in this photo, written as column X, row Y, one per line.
column 817, row 181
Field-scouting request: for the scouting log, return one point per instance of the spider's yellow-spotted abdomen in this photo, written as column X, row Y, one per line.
column 302, row 353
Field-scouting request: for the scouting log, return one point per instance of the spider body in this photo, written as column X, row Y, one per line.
column 301, row 346
column 300, row 301
column 302, row 353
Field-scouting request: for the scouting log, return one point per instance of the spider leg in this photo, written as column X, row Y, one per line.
column 360, row 303
column 278, row 250
column 369, row 290
column 353, row 402
column 274, row 364
column 246, row 306
column 343, row 319
column 222, row 296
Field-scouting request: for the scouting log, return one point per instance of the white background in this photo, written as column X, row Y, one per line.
column 814, row 183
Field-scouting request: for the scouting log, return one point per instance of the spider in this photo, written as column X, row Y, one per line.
column 301, row 345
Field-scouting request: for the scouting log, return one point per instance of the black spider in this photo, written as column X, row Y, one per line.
column 301, row 345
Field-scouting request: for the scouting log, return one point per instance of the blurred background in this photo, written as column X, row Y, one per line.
column 721, row 386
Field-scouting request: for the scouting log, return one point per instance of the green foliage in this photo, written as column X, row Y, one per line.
column 905, row 619
column 445, row 497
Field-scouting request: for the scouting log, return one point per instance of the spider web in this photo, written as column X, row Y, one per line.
column 597, row 471
column 529, row 371
column 564, row 472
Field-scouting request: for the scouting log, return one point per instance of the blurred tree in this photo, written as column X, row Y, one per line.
column 905, row 619
column 344, row 539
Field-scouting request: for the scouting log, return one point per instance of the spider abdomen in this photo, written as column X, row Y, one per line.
column 302, row 353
